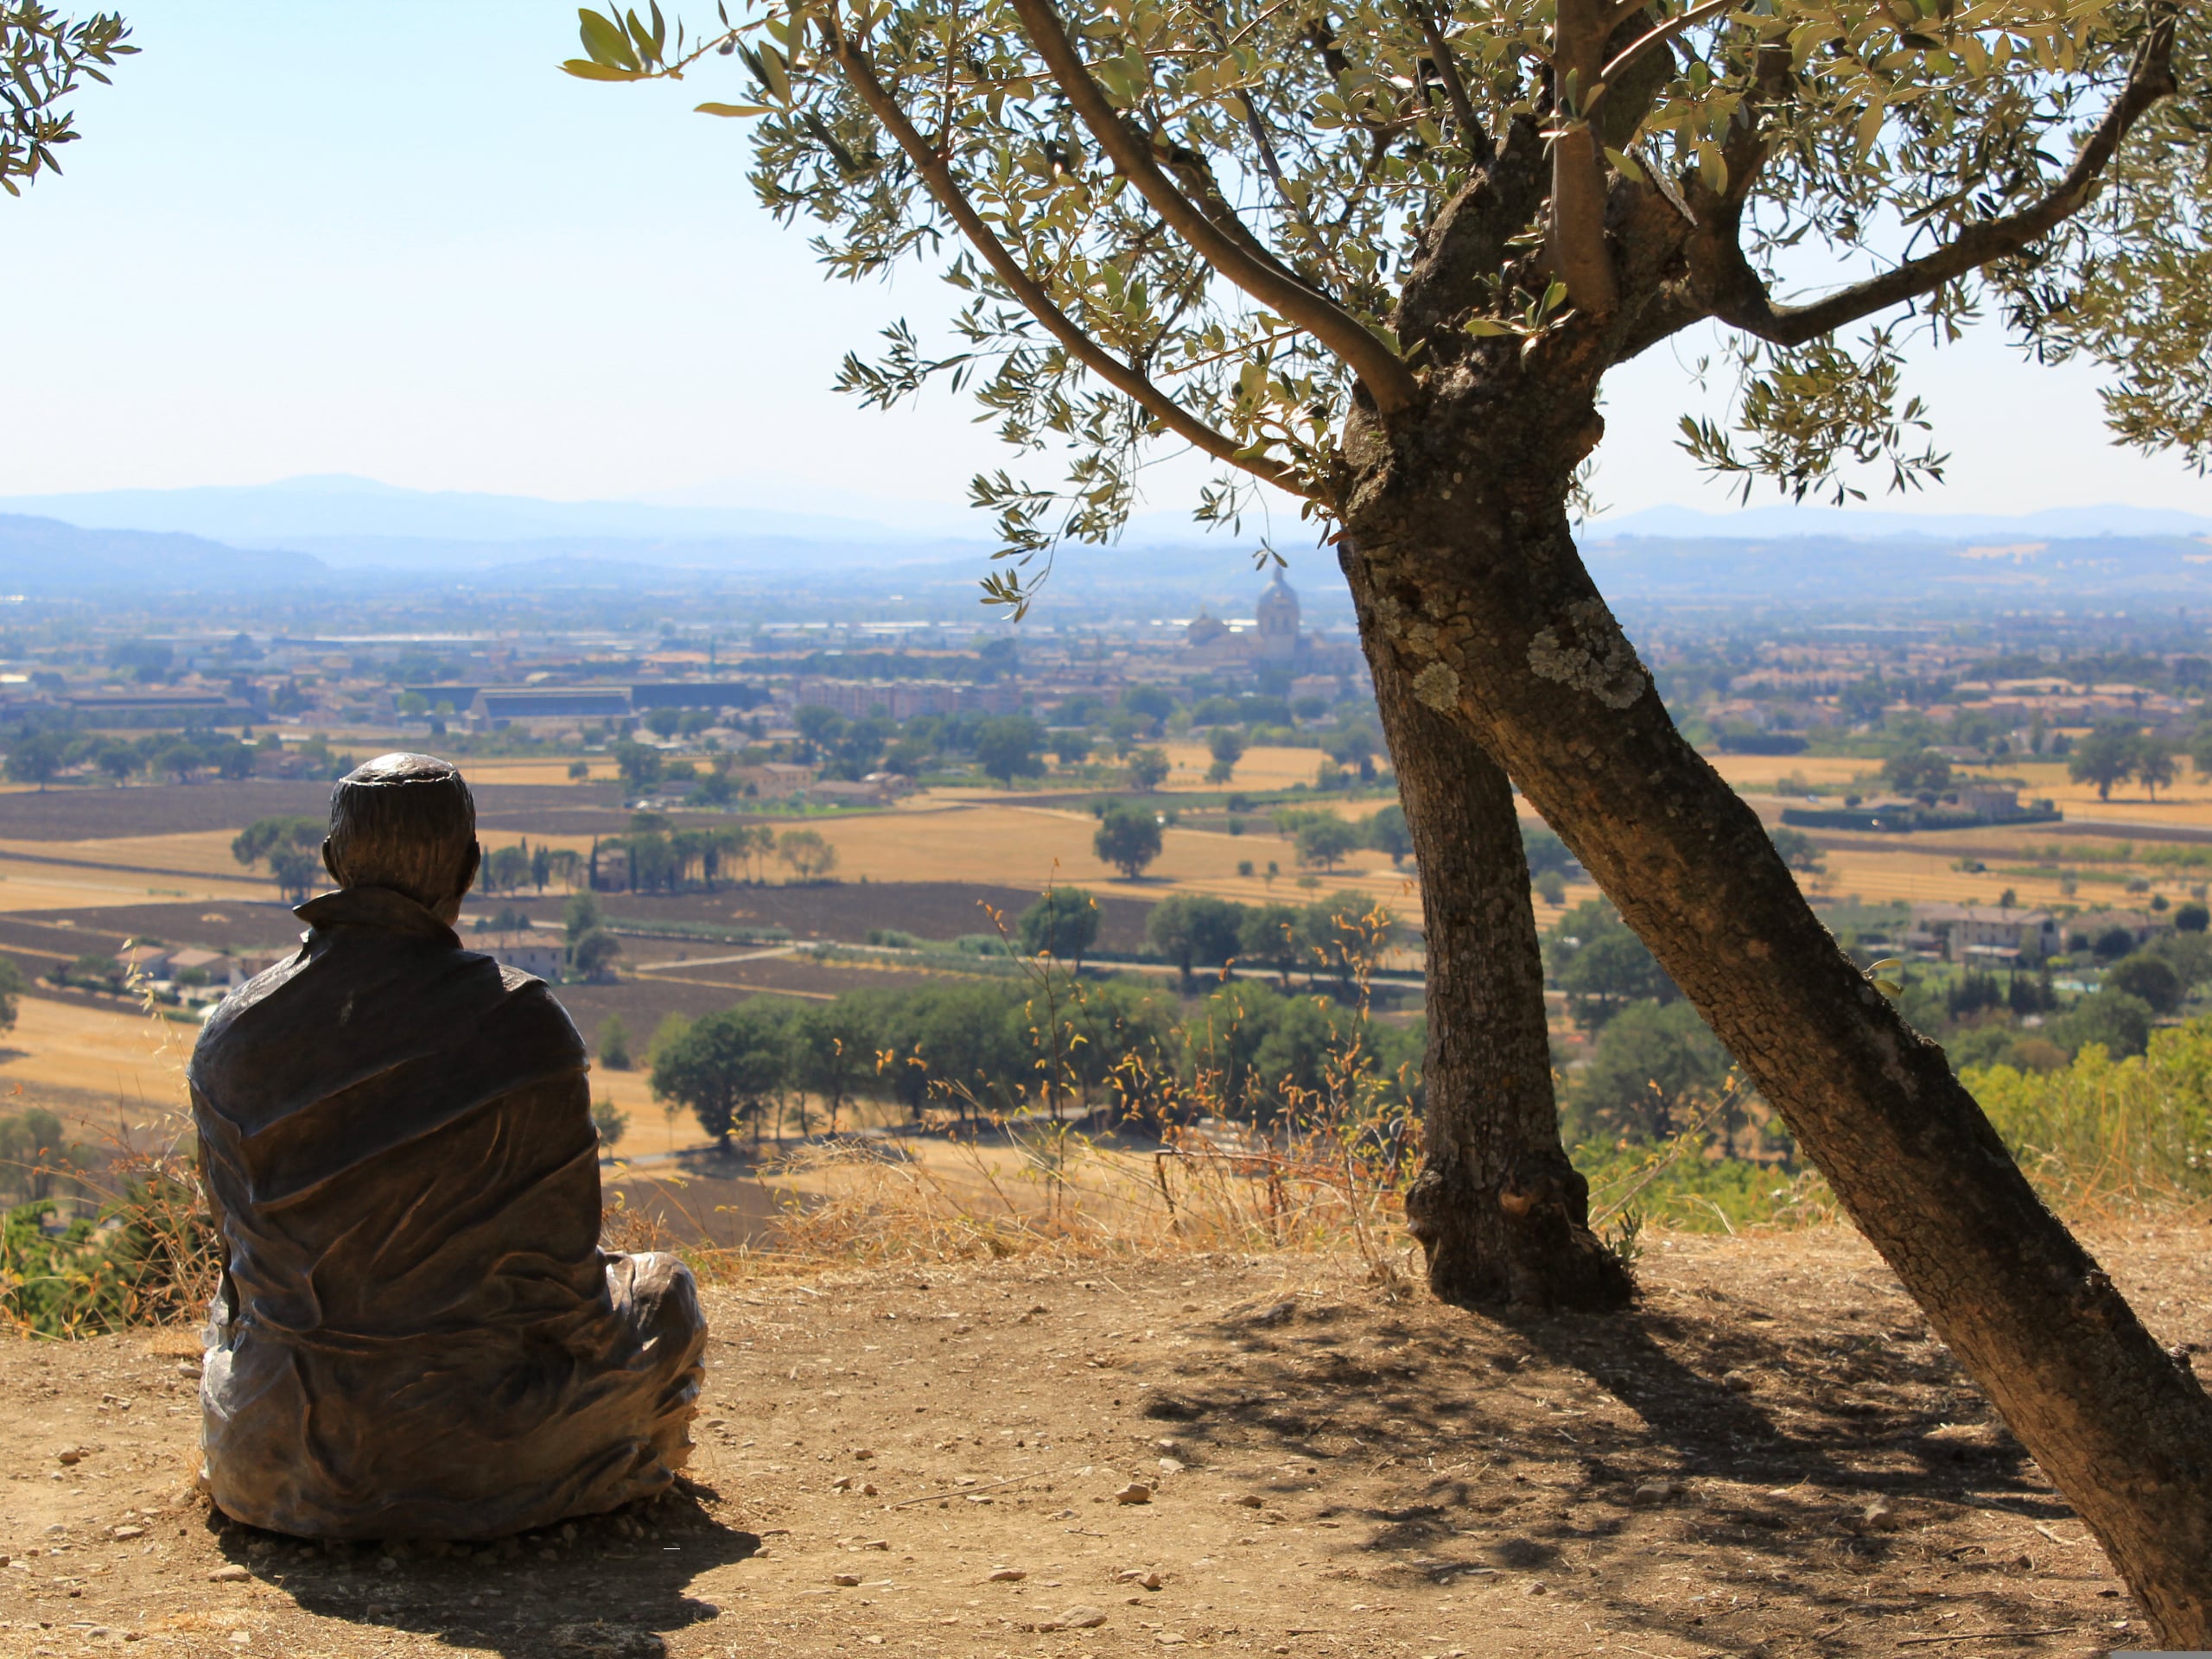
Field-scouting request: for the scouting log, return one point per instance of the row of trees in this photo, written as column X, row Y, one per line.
column 990, row 1050
column 2108, row 756
column 1339, row 939
column 658, row 858
column 1131, row 835
column 2113, row 752
column 40, row 753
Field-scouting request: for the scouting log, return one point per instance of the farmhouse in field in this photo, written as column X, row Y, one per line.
column 1986, row 935
column 532, row 952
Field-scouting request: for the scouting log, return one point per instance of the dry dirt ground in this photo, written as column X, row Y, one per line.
column 1770, row 1458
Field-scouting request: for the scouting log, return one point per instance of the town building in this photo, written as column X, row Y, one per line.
column 907, row 699
column 531, row 952
column 1273, row 638
column 494, row 707
column 144, row 962
column 1986, row 935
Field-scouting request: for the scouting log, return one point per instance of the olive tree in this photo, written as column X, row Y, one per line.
column 1379, row 256
column 44, row 57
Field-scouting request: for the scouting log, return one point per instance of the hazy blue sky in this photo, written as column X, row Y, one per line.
column 391, row 240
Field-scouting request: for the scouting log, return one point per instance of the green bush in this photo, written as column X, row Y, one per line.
column 2140, row 1126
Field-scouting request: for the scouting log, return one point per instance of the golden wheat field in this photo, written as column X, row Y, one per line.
column 25, row 884
column 64, row 1053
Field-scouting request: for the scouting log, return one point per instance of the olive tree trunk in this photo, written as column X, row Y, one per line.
column 1460, row 549
column 1501, row 1214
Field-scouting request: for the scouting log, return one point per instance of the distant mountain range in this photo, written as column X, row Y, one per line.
column 46, row 558
column 1863, row 524
column 1792, row 569
column 355, row 521
column 339, row 532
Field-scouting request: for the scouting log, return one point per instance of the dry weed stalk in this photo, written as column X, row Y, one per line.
column 147, row 1253
column 1324, row 1168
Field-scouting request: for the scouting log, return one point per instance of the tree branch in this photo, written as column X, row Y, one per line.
column 1389, row 381
column 1741, row 299
column 1473, row 137
column 1579, row 255
column 1643, row 44
column 938, row 173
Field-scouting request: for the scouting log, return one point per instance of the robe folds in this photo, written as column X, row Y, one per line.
column 416, row 1333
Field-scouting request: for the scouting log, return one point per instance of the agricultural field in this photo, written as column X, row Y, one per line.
column 85, row 871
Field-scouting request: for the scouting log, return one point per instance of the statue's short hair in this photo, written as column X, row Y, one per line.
column 405, row 821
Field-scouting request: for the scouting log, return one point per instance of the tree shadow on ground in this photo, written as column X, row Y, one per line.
column 598, row 1587
column 1579, row 1456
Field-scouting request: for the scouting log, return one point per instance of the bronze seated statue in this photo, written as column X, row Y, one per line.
column 416, row 1333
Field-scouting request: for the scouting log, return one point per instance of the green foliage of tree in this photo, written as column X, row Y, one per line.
column 2103, row 758
column 2192, row 918
column 817, row 725
column 593, row 953
column 1387, row 833
column 1325, row 841
column 959, row 1047
column 2154, row 765
column 811, row 857
column 1544, row 850
column 580, row 915
column 1191, row 929
column 1797, row 848
column 723, row 1067
column 1743, row 133
column 833, row 1048
column 640, row 764
column 295, row 871
column 44, row 58
column 1008, row 747
column 2111, row 1019
column 1914, row 770
column 612, row 1124
column 506, row 870
column 1262, row 1052
column 36, row 1152
column 1270, row 936
column 292, row 847
column 35, row 756
column 2150, row 978
column 614, row 1044
column 1147, row 769
column 1128, row 838
column 1064, row 923
column 1654, row 1068
column 1226, row 745
column 1601, row 965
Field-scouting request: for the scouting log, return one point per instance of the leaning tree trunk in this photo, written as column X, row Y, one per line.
column 1501, row 1213
column 1461, row 551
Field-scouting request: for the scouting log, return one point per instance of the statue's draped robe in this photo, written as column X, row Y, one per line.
column 416, row 1333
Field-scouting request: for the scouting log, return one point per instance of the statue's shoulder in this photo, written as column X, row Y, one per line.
column 223, row 1020
column 527, row 1002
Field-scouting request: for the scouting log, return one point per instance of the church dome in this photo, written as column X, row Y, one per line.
column 1205, row 629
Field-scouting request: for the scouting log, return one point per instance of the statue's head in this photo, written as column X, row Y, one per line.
column 406, row 821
